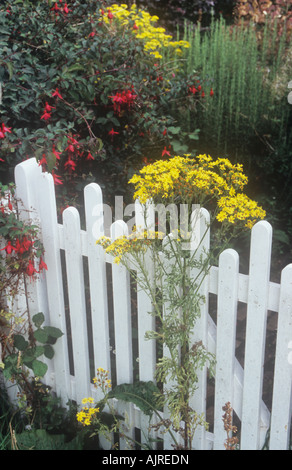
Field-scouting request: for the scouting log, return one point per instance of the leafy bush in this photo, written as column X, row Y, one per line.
column 81, row 93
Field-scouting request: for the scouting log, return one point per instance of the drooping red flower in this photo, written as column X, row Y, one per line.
column 57, row 179
column 56, row 93
column 165, row 152
column 112, row 133
column 57, row 154
column 9, row 248
column 43, row 161
column 89, row 156
column 203, row 94
column 70, row 164
column 193, row 89
column 46, row 116
column 42, row 265
column 30, row 270
column 211, row 92
column 55, row 7
column 4, row 130
column 110, row 15
column 66, row 9
column 48, row 108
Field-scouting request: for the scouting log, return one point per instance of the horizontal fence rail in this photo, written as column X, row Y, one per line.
column 90, row 299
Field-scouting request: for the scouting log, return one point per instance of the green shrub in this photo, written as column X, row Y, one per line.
column 62, row 75
column 245, row 118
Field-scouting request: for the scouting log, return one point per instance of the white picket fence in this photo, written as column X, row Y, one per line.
column 241, row 386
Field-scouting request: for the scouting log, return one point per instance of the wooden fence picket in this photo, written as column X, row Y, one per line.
column 123, row 333
column 54, row 281
column 282, row 392
column 258, row 292
column 97, row 276
column 225, row 343
column 77, row 305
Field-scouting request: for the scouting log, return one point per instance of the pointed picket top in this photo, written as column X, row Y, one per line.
column 94, row 211
column 26, row 177
column 76, row 296
column 94, row 216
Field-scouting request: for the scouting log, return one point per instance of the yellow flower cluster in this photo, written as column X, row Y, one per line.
column 102, row 379
column 125, row 244
column 86, row 415
column 199, row 180
column 154, row 38
column 239, row 207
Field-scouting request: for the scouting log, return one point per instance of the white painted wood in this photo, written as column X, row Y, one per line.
column 122, row 313
column 225, row 343
column 146, row 322
column 97, row 276
column 76, row 296
column 26, row 176
column 259, row 272
column 200, row 333
column 123, row 332
column 282, row 400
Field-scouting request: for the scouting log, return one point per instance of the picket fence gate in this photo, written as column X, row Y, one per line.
column 241, row 386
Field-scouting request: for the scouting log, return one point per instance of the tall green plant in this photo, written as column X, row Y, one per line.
column 171, row 267
column 244, row 117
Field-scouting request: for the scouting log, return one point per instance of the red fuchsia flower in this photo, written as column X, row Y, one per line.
column 9, row 248
column 56, row 93
column 42, row 265
column 110, row 15
column 24, row 245
column 165, row 152
column 48, row 108
column 46, row 116
column 55, row 7
column 89, row 156
column 43, row 161
column 4, row 130
column 57, row 154
column 211, row 92
column 9, row 205
column 70, row 164
column 193, row 89
column 124, row 99
column 199, row 88
column 112, row 133
column 66, row 9
column 203, row 94
column 164, row 132
column 30, row 270
column 57, row 179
